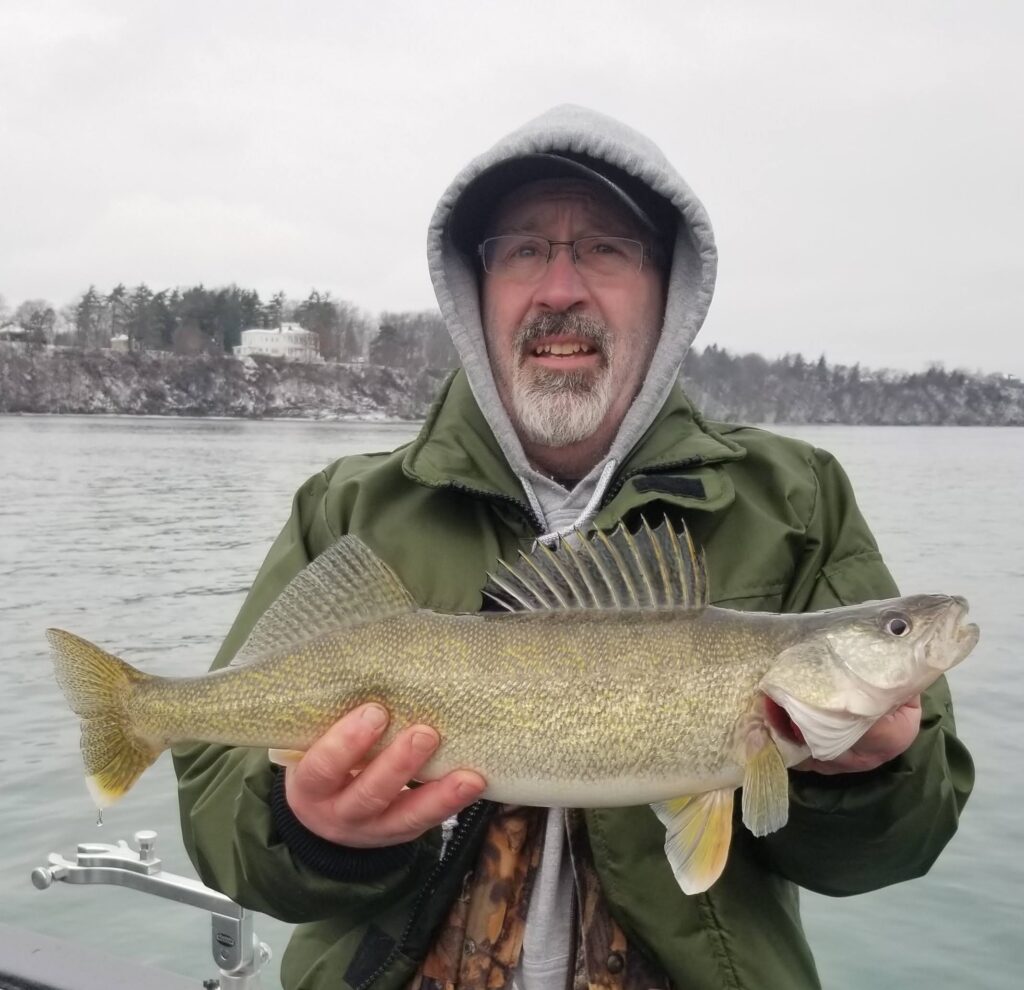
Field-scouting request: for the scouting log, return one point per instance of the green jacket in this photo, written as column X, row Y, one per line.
column 781, row 532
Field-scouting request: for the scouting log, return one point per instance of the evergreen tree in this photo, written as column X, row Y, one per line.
column 227, row 317
column 139, row 323
column 164, row 320
column 317, row 314
column 250, row 308
column 273, row 312
column 90, row 320
column 196, row 319
column 117, row 310
column 392, row 346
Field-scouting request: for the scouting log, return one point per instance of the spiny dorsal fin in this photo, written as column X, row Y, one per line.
column 346, row 585
column 655, row 568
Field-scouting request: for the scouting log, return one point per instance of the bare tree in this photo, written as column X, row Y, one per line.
column 38, row 317
column 416, row 341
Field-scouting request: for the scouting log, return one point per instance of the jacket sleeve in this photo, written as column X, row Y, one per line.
column 242, row 845
column 856, row 832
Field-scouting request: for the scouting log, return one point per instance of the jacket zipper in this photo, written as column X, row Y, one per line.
column 466, row 824
column 610, row 493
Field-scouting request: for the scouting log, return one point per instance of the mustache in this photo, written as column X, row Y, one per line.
column 586, row 328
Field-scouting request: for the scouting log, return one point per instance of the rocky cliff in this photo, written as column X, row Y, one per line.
column 68, row 380
column 744, row 388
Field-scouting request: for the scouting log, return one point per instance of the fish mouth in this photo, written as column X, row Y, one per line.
column 963, row 635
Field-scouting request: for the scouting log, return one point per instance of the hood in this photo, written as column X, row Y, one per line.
column 608, row 146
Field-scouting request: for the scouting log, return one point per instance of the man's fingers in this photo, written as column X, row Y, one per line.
column 374, row 808
column 414, row 811
column 326, row 767
column 374, row 790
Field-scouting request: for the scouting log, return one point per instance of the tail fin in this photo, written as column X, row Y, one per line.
column 97, row 686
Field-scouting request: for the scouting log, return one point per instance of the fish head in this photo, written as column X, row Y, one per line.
column 850, row 666
column 899, row 646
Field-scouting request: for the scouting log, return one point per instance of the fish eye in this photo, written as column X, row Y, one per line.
column 897, row 625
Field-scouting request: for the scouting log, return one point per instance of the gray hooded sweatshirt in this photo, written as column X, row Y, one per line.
column 630, row 160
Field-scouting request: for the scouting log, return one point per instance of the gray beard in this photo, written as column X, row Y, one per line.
column 556, row 408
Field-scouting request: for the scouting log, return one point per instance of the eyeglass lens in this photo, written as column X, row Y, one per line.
column 525, row 256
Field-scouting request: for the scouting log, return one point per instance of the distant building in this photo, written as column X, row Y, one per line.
column 290, row 341
column 121, row 342
column 13, row 331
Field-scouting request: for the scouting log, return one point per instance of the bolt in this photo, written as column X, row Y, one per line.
column 145, row 840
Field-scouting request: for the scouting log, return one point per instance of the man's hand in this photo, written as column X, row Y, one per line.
column 374, row 808
column 884, row 741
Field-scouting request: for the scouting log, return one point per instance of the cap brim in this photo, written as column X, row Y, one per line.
column 475, row 207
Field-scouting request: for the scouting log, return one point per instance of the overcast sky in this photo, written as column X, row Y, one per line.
column 862, row 163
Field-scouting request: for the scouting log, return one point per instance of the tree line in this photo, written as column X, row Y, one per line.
column 726, row 386
column 197, row 320
column 749, row 388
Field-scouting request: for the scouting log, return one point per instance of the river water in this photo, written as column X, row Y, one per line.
column 144, row 534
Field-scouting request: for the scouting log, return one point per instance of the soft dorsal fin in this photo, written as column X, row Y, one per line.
column 347, row 584
column 654, row 568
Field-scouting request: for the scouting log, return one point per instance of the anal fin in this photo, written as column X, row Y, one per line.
column 698, row 832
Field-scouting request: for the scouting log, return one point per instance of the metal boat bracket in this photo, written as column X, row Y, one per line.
column 237, row 952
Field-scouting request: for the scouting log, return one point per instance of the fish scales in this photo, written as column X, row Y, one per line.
column 560, row 699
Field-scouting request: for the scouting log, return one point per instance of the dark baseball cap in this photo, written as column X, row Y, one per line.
column 475, row 207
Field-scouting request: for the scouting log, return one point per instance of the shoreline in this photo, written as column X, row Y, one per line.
column 384, row 420
column 339, row 418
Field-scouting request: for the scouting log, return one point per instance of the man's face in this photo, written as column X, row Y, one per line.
column 569, row 352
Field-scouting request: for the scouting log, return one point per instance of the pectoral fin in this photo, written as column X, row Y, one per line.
column 698, row 829
column 765, row 789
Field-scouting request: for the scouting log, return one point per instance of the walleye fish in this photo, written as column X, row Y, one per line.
column 609, row 681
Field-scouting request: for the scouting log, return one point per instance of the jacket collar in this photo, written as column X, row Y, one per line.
column 456, row 449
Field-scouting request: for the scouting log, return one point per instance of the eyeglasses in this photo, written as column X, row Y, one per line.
column 525, row 257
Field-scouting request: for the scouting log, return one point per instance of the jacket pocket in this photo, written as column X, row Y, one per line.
column 859, row 578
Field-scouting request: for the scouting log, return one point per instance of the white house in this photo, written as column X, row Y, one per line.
column 290, row 341
column 13, row 331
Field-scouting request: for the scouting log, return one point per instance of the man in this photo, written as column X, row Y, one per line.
column 573, row 267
